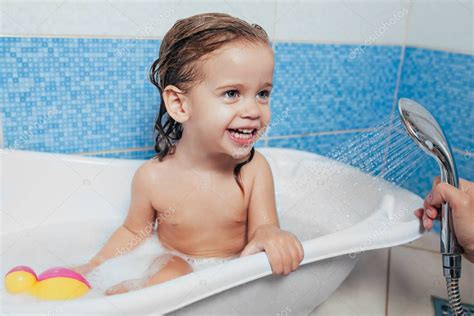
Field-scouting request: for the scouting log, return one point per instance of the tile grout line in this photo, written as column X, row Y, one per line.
column 387, row 284
column 265, row 140
column 464, row 152
column 394, row 104
column 337, row 132
column 113, row 151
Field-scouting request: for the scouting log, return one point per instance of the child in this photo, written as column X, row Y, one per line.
column 211, row 191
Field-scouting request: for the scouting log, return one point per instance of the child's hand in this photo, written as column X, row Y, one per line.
column 283, row 249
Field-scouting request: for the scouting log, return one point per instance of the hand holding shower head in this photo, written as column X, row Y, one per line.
column 422, row 127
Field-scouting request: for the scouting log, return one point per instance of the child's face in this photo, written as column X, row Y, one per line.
column 234, row 94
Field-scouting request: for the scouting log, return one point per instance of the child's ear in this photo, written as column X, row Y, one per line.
column 176, row 103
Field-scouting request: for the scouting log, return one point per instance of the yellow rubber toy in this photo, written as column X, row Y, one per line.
column 53, row 284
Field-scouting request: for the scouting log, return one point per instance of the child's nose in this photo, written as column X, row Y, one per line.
column 251, row 110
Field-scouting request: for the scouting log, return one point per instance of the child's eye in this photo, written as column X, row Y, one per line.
column 264, row 94
column 232, row 93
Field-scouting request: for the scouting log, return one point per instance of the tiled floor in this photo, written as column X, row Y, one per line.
column 399, row 281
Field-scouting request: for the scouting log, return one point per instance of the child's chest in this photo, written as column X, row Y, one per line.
column 201, row 201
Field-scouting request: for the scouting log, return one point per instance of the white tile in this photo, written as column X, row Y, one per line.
column 416, row 275
column 340, row 21
column 363, row 292
column 154, row 26
column 23, row 17
column 65, row 18
column 442, row 24
column 259, row 12
column 120, row 19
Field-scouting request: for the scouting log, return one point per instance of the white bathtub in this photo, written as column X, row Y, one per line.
column 58, row 210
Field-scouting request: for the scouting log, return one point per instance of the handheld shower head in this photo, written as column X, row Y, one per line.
column 422, row 127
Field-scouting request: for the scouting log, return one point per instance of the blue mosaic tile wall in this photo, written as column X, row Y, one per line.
column 77, row 95
column 444, row 84
column 87, row 95
column 326, row 88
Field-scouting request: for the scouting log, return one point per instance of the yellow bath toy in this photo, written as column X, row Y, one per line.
column 53, row 284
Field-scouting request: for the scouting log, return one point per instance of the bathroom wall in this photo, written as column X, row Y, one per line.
column 74, row 74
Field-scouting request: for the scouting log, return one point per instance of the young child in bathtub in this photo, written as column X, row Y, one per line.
column 211, row 191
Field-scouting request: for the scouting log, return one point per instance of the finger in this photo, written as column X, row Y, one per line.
column 436, row 181
column 446, row 193
column 275, row 257
column 295, row 256
column 430, row 211
column 296, row 243
column 419, row 212
column 287, row 259
column 427, row 222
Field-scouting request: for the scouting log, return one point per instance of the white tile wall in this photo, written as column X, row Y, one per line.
column 128, row 19
column 442, row 24
column 438, row 24
column 342, row 21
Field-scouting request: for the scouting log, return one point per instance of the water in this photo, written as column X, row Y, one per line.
column 385, row 151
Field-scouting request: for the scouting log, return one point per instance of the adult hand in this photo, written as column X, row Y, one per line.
column 462, row 205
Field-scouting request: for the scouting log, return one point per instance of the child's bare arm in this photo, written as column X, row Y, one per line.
column 262, row 205
column 139, row 222
column 283, row 248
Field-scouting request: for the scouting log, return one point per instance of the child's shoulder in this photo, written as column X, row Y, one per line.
column 148, row 171
column 258, row 163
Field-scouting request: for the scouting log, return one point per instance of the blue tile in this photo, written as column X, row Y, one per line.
column 325, row 88
column 77, row 95
column 420, row 182
column 140, row 154
column 465, row 165
column 443, row 82
column 319, row 144
column 82, row 95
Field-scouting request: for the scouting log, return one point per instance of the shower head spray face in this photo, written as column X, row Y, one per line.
column 422, row 127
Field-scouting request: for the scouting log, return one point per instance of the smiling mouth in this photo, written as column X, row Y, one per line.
column 243, row 133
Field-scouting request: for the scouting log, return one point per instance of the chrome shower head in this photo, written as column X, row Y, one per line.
column 422, row 127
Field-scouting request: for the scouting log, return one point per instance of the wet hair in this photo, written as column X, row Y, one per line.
column 184, row 46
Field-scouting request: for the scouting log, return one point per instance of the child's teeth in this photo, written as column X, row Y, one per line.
column 245, row 130
column 240, row 135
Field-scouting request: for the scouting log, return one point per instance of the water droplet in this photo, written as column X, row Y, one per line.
column 429, row 144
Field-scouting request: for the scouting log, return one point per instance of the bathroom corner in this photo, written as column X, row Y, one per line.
column 75, row 86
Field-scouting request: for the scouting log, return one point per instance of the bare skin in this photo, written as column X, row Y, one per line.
column 193, row 194
column 462, row 205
